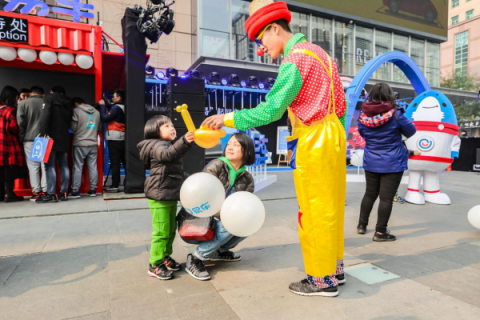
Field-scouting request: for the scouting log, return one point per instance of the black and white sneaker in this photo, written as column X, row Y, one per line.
column 382, row 237
column 171, row 264
column 341, row 279
column 305, row 288
column 92, row 193
column 196, row 268
column 225, row 256
column 160, row 271
column 111, row 190
column 75, row 195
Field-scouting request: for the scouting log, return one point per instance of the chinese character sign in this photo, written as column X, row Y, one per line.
column 74, row 8
column 76, row 12
column 14, row 30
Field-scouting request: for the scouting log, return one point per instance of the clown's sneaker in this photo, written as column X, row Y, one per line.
column 341, row 278
column 304, row 288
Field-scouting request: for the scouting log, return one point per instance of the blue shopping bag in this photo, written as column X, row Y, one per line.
column 42, row 147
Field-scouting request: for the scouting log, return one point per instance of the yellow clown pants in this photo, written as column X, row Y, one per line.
column 319, row 162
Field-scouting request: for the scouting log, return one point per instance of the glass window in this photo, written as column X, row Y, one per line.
column 455, row 3
column 383, row 44
column 364, row 47
column 461, row 53
column 214, row 44
column 322, row 33
column 417, row 52
column 455, row 20
column 400, row 43
column 470, row 14
column 344, row 47
column 242, row 47
column 299, row 23
column 214, row 15
column 433, row 64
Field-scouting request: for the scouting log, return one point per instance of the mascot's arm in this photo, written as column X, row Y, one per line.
column 284, row 91
column 456, row 142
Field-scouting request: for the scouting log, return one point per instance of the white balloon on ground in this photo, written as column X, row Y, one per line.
column 8, row 53
column 27, row 55
column 66, row 58
column 48, row 57
column 202, row 195
column 357, row 158
column 84, row 61
column 474, row 217
column 242, row 214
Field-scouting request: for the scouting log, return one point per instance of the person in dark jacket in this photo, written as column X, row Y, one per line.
column 231, row 171
column 162, row 189
column 28, row 118
column 12, row 158
column 114, row 117
column 55, row 122
column 385, row 157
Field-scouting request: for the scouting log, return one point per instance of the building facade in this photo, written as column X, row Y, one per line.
column 460, row 54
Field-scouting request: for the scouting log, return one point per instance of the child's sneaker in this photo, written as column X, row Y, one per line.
column 398, row 199
column 225, row 256
column 171, row 264
column 196, row 268
column 160, row 271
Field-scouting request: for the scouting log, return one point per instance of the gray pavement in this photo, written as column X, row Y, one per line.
column 87, row 259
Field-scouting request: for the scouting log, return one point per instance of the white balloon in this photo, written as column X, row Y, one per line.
column 202, row 195
column 66, row 58
column 357, row 158
column 84, row 61
column 8, row 53
column 27, row 55
column 242, row 214
column 474, row 217
column 48, row 57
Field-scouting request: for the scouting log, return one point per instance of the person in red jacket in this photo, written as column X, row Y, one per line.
column 12, row 158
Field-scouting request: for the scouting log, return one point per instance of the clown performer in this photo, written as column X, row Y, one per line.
column 309, row 86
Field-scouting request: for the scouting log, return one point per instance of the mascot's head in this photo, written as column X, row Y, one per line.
column 268, row 25
column 432, row 106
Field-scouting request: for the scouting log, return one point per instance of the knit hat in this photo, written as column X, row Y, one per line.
column 263, row 12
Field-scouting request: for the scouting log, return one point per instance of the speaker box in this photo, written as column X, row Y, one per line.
column 195, row 102
column 194, row 160
column 178, row 122
column 186, row 85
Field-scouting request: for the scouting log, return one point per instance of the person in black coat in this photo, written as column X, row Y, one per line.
column 55, row 122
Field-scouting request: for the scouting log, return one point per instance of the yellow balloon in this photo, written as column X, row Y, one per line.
column 204, row 137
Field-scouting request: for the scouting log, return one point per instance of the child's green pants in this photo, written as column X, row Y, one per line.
column 164, row 226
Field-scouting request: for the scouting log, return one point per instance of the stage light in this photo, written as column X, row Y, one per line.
column 397, row 95
column 160, row 75
column 224, row 82
column 206, row 81
column 149, row 70
column 253, row 82
column 234, row 80
column 261, row 86
column 270, row 83
column 184, row 76
column 243, row 84
column 215, row 78
column 171, row 72
column 195, row 74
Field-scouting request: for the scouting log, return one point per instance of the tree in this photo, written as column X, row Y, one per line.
column 460, row 82
column 468, row 110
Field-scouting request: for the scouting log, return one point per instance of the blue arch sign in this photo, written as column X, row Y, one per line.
column 401, row 60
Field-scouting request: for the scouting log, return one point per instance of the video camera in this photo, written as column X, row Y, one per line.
column 156, row 19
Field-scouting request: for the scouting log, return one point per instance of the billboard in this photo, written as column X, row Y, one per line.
column 427, row 16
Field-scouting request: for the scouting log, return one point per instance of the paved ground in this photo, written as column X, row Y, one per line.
column 86, row 259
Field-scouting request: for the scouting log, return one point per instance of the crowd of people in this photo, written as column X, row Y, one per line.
column 30, row 113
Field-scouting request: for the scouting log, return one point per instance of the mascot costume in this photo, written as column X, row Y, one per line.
column 437, row 139
column 309, row 86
